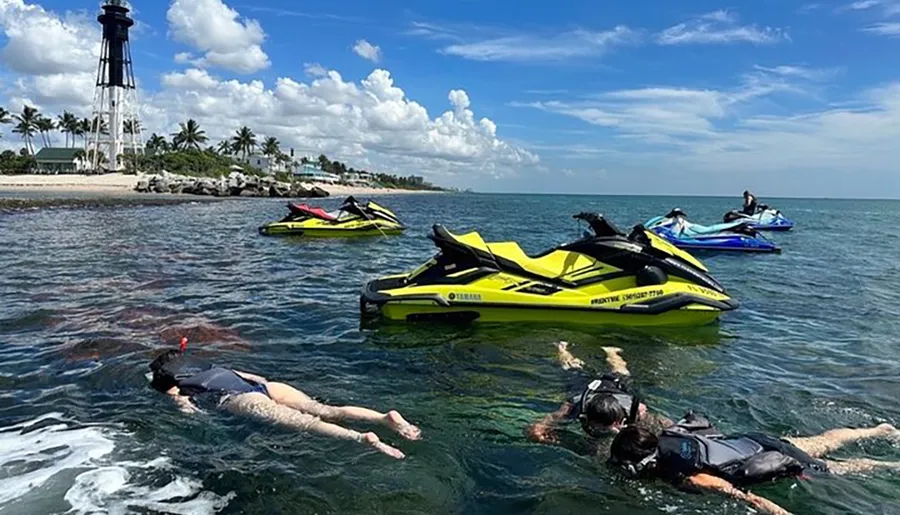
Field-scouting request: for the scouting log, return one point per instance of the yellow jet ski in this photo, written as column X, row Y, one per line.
column 353, row 218
column 603, row 278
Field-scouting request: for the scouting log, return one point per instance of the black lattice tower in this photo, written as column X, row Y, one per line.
column 116, row 126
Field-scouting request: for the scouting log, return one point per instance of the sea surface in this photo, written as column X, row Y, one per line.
column 90, row 291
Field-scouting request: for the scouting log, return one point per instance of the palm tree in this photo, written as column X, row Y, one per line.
column 189, row 135
column 83, row 129
column 244, row 141
column 131, row 126
column 67, row 124
column 45, row 125
column 157, row 143
column 270, row 147
column 27, row 126
column 4, row 116
column 224, row 148
column 104, row 126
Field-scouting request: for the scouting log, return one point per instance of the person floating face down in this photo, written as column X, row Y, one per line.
column 190, row 381
column 602, row 407
column 693, row 454
column 750, row 203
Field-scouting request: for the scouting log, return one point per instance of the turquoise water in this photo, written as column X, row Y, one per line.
column 90, row 293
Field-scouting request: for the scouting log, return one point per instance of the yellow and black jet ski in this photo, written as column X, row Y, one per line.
column 603, row 278
column 353, row 218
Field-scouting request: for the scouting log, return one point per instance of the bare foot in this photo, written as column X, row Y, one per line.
column 562, row 346
column 373, row 440
column 888, row 430
column 612, row 350
column 396, row 422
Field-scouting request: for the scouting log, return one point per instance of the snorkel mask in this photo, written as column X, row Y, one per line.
column 594, row 429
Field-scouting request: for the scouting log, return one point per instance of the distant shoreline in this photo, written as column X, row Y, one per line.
column 117, row 183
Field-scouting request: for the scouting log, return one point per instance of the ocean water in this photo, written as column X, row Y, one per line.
column 92, row 290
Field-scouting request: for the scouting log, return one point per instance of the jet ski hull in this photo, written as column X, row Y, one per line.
column 768, row 220
column 473, row 281
column 323, row 231
column 734, row 236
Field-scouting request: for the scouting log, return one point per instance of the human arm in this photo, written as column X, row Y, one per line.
column 182, row 401
column 616, row 363
column 544, row 430
column 717, row 484
column 251, row 377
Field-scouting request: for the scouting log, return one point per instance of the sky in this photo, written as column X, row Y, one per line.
column 786, row 98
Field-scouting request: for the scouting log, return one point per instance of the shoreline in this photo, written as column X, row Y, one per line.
column 118, row 183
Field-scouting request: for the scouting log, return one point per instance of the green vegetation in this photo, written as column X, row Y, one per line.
column 12, row 163
column 185, row 154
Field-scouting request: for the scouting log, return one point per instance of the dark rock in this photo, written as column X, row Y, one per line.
column 318, row 192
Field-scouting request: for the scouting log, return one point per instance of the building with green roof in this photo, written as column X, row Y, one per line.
column 60, row 160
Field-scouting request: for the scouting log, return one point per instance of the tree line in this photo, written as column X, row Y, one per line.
column 185, row 151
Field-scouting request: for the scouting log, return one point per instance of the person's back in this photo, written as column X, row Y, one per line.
column 750, row 203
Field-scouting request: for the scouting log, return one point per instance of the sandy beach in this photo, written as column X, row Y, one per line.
column 124, row 184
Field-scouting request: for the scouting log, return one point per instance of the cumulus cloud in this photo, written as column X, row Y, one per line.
column 372, row 120
column 367, row 50
column 527, row 48
column 39, row 42
column 228, row 41
column 719, row 27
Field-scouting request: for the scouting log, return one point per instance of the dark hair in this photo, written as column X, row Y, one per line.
column 604, row 409
column 162, row 381
column 633, row 444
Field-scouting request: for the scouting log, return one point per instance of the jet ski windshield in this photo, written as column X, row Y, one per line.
column 600, row 225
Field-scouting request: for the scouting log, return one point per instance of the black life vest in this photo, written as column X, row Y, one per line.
column 687, row 449
column 608, row 384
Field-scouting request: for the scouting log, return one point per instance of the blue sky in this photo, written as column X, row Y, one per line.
column 785, row 98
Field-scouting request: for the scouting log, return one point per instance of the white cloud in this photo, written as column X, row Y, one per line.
column 719, row 27
column 884, row 29
column 39, row 42
column 887, row 7
column 801, row 72
column 212, row 27
column 525, row 48
column 315, row 70
column 367, row 122
column 367, row 50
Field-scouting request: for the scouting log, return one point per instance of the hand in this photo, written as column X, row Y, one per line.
column 542, row 434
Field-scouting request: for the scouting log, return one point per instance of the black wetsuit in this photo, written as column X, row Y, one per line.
column 750, row 205
column 197, row 378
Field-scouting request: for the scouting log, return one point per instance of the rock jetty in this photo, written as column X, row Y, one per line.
column 235, row 185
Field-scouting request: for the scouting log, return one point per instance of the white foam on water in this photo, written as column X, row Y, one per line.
column 30, row 458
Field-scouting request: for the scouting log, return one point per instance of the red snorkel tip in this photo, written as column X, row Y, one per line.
column 183, row 345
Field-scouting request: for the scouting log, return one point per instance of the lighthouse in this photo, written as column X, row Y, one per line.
column 115, row 125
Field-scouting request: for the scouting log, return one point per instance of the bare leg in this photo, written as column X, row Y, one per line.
column 860, row 465
column 616, row 363
column 260, row 407
column 287, row 395
column 566, row 359
column 831, row 440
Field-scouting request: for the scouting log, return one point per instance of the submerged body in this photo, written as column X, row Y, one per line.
column 733, row 236
column 692, row 453
column 352, row 219
column 191, row 383
column 607, row 278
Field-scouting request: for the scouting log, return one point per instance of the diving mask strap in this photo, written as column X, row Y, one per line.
column 634, row 411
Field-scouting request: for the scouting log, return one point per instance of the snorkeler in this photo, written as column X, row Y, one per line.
column 692, row 453
column 603, row 406
column 750, row 203
column 188, row 379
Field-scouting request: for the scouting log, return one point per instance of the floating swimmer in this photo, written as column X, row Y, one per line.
column 603, row 406
column 188, row 379
column 693, row 453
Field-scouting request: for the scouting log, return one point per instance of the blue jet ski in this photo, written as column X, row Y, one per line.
column 733, row 236
column 765, row 219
